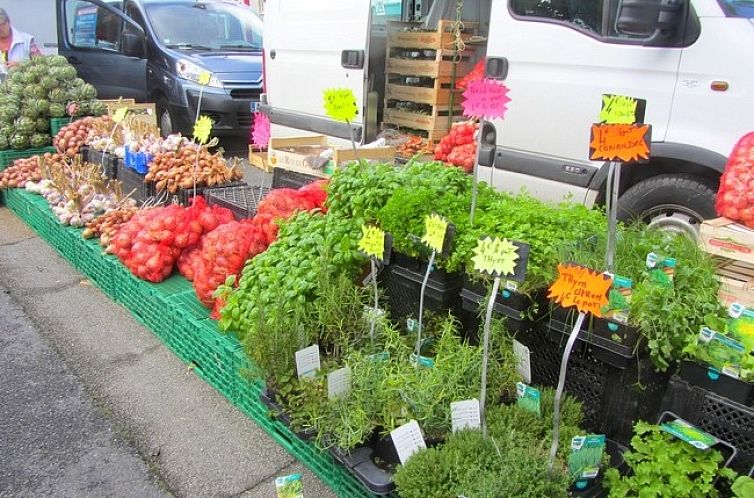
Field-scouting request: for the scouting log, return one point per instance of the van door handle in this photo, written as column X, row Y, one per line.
column 488, row 145
column 74, row 61
column 352, row 59
column 496, row 68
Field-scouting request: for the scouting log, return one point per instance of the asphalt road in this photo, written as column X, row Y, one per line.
column 92, row 404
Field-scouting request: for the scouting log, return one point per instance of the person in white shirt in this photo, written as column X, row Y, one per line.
column 15, row 45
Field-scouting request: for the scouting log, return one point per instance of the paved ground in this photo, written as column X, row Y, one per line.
column 91, row 404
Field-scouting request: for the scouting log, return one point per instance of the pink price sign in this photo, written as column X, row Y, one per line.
column 486, row 99
column 260, row 134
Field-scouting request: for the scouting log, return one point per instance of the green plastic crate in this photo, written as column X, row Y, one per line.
column 8, row 156
column 190, row 304
column 57, row 123
column 100, row 268
column 175, row 284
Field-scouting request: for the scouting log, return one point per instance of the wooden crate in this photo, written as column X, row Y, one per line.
column 440, row 67
column 439, row 94
column 259, row 159
column 442, row 38
column 736, row 281
column 295, row 154
column 437, row 122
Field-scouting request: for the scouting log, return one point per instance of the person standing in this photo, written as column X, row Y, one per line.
column 15, row 45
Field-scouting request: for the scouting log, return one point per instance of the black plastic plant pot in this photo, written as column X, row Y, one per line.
column 472, row 304
column 437, row 276
column 709, row 378
column 371, row 464
column 594, row 488
column 267, row 398
column 507, row 297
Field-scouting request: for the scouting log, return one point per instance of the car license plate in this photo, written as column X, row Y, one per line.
column 254, row 106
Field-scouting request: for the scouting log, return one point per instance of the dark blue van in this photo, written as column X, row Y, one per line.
column 156, row 50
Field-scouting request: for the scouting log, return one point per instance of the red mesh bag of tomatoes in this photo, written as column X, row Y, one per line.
column 735, row 198
column 459, row 146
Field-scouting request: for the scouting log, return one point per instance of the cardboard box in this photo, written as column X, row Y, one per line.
column 724, row 237
column 303, row 154
column 145, row 113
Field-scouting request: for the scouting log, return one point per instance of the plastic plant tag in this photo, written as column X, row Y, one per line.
column 339, row 382
column 528, row 398
column 619, row 300
column 412, row 325
column 690, row 434
column 436, row 233
column 523, row 361
column 741, row 325
column 379, row 357
column 289, row 486
column 510, row 285
column 307, row 361
column 585, row 458
column 465, row 414
column 408, row 439
column 662, row 269
column 720, row 351
column 581, row 287
column 372, row 313
column 423, row 361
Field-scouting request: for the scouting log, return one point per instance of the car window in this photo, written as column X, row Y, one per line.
column 90, row 26
column 386, row 10
column 581, row 14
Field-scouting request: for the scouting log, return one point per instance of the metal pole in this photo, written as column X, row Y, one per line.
column 421, row 305
column 612, row 227
column 561, row 386
column 476, row 171
column 376, row 299
column 486, row 353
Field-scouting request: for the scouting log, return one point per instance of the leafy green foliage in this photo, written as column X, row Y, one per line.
column 663, row 466
column 743, row 487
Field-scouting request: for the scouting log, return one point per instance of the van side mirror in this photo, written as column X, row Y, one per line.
column 133, row 45
column 654, row 19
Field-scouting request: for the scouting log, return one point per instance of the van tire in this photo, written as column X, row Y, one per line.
column 676, row 203
column 163, row 108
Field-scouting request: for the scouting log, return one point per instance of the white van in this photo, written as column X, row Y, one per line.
column 692, row 60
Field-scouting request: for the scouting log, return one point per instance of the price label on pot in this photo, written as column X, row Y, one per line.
column 408, row 439
column 307, row 361
column 523, row 361
column 581, row 287
column 375, row 243
column 465, row 414
column 690, row 434
column 340, row 104
column 620, row 109
column 339, row 382
column 722, row 352
column 495, row 256
column 436, row 234
column 586, row 456
column 120, row 114
column 204, row 78
column 528, row 398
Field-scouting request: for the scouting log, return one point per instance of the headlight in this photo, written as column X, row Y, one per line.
column 190, row 71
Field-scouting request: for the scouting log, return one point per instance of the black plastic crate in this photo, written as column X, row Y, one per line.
column 438, row 276
column 723, row 418
column 133, row 181
column 360, row 462
column 183, row 196
column 285, row 178
column 403, row 289
column 472, row 304
column 108, row 161
column 613, row 398
column 724, row 385
column 242, row 200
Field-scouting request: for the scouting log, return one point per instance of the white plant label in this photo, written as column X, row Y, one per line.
column 408, row 439
column 338, row 382
column 307, row 361
column 465, row 414
column 523, row 361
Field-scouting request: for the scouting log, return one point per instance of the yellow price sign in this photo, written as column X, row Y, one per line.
column 372, row 242
column 436, row 228
column 204, row 78
column 620, row 109
column 120, row 114
column 340, row 104
column 495, row 256
column 202, row 129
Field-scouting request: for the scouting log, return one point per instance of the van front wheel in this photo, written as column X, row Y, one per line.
column 165, row 118
column 677, row 203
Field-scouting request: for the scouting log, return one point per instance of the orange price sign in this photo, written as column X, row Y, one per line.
column 620, row 142
column 581, row 287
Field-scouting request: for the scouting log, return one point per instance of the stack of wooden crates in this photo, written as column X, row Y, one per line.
column 732, row 247
column 420, row 69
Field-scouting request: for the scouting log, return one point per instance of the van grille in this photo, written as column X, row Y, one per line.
column 244, row 119
column 246, row 93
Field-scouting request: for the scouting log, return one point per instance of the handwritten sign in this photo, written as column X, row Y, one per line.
column 495, row 256
column 340, row 104
column 120, row 114
column 486, row 99
column 581, row 287
column 260, row 134
column 372, row 242
column 204, row 78
column 620, row 142
column 436, row 229
column 202, row 128
column 620, row 109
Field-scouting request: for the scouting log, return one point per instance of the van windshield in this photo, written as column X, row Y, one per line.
column 738, row 8
column 205, row 26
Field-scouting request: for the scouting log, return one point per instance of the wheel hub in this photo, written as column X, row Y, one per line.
column 675, row 219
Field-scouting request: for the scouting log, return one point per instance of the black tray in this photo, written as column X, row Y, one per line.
column 276, row 411
column 360, row 462
column 133, row 181
column 471, row 306
column 438, row 276
column 700, row 375
column 183, row 196
column 242, row 200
